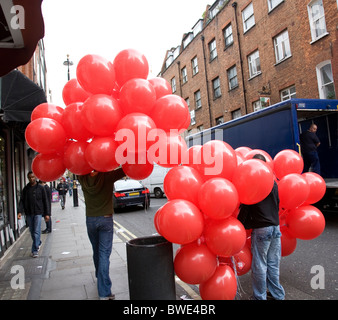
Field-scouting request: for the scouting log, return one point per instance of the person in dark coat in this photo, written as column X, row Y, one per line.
column 34, row 204
column 62, row 188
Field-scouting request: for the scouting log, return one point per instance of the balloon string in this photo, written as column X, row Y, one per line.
column 240, row 289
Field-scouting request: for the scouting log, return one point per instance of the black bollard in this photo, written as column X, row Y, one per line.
column 75, row 195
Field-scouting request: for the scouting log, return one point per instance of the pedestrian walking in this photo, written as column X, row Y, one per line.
column 62, row 188
column 49, row 199
column 309, row 143
column 34, row 204
column 263, row 219
column 97, row 189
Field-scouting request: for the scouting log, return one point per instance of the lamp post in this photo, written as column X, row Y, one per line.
column 69, row 63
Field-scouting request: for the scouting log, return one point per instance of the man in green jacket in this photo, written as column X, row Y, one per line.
column 97, row 189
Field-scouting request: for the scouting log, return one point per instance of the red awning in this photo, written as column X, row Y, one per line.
column 17, row 44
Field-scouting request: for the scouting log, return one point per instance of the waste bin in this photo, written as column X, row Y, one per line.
column 150, row 269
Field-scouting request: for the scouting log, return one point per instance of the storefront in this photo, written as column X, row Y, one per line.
column 18, row 97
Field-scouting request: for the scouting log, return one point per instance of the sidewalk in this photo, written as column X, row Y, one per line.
column 64, row 269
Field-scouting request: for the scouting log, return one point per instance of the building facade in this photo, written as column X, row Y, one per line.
column 245, row 55
column 21, row 91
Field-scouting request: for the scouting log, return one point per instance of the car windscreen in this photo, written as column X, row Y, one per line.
column 127, row 184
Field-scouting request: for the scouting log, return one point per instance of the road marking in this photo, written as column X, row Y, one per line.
column 120, row 230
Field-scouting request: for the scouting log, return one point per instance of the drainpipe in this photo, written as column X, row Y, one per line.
column 207, row 81
column 234, row 5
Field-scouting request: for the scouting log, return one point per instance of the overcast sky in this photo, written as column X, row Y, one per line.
column 106, row 27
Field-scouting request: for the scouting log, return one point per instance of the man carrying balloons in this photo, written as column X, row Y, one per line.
column 263, row 219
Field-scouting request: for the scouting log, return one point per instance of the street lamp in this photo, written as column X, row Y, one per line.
column 75, row 195
column 68, row 63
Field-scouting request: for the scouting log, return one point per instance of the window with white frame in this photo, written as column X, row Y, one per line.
column 325, row 80
column 198, row 101
column 274, row 3
column 254, row 64
column 216, row 85
column 257, row 105
column 173, row 85
column 219, row 120
column 282, row 46
column 228, row 36
column 212, row 49
column 288, row 93
column 317, row 19
column 194, row 66
column 200, row 128
column 248, row 17
column 232, row 77
column 184, row 75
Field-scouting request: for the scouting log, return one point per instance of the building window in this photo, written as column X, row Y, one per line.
column 288, row 93
column 192, row 117
column 219, row 120
column 254, row 64
column 236, row 114
column 257, row 105
column 198, row 102
column 325, row 81
column 216, row 85
column 228, row 37
column 194, row 66
column 232, row 77
column 282, row 46
column 173, row 84
column 184, row 75
column 317, row 19
column 274, row 3
column 200, row 128
column 212, row 49
column 248, row 17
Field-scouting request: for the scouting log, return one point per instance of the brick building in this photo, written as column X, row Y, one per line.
column 247, row 54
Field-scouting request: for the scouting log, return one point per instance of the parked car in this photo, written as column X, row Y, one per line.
column 129, row 192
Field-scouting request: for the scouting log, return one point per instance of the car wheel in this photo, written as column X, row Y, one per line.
column 158, row 193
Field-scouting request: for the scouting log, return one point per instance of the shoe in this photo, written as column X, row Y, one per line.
column 63, row 207
column 111, row 297
column 269, row 296
column 34, row 255
column 44, row 231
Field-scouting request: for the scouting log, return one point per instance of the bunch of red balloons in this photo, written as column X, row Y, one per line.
column 204, row 196
column 113, row 116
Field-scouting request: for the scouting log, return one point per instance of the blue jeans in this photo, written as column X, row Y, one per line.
column 266, row 256
column 34, row 223
column 100, row 232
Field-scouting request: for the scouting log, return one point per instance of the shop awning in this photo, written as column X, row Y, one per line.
column 21, row 28
column 19, row 96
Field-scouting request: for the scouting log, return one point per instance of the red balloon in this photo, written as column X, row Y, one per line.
column 46, row 136
column 139, row 170
column 183, row 182
column 293, row 191
column 96, row 74
column 156, row 219
column 289, row 243
column 73, row 92
column 317, row 187
column 132, row 133
column 168, row 151
column 73, row 124
column 267, row 157
column 180, row 221
column 225, row 237
column 100, row 154
column 305, row 222
column 137, row 95
column 242, row 151
column 47, row 110
column 286, row 162
column 242, row 261
column 253, row 180
column 101, row 114
column 193, row 156
column 162, row 87
column 218, row 198
column 218, row 159
column 221, row 286
column 170, row 112
column 48, row 167
column 195, row 263
column 74, row 158
column 129, row 64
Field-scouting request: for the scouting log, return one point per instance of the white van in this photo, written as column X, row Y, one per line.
column 155, row 181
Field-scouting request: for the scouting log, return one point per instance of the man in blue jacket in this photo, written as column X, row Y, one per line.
column 34, row 204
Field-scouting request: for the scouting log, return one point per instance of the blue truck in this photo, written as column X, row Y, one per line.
column 278, row 127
